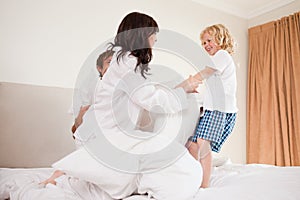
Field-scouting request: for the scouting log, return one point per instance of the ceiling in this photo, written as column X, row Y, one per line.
column 245, row 8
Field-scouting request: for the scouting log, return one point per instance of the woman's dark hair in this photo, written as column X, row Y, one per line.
column 132, row 36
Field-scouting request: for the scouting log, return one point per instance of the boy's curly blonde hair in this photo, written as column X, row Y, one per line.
column 221, row 35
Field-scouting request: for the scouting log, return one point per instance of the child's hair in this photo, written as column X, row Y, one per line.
column 104, row 56
column 221, row 36
column 132, row 36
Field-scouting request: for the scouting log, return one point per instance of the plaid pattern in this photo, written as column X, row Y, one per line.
column 215, row 126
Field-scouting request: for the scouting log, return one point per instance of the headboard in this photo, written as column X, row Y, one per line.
column 35, row 125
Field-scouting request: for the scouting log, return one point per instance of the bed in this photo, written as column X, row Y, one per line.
column 27, row 160
column 229, row 181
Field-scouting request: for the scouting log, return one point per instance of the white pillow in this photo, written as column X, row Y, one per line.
column 180, row 125
column 182, row 179
column 219, row 160
column 179, row 181
column 82, row 165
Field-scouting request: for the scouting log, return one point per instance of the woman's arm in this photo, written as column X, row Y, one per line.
column 190, row 85
column 160, row 99
column 205, row 73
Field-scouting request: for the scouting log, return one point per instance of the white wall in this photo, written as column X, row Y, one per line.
column 45, row 42
column 274, row 15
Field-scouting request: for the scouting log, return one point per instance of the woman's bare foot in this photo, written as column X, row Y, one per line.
column 52, row 178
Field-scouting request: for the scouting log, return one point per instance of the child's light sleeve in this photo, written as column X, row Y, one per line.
column 221, row 59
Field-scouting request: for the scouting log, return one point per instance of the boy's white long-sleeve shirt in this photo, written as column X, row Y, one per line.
column 222, row 85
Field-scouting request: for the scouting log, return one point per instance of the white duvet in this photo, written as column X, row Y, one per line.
column 228, row 182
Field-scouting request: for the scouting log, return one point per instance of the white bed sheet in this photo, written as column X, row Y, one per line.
column 228, row 182
column 253, row 182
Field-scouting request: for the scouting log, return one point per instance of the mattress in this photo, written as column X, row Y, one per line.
column 228, row 182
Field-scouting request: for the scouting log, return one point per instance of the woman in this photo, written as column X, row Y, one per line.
column 135, row 161
column 125, row 93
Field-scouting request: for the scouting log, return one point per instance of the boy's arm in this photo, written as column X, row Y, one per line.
column 205, row 73
column 78, row 119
